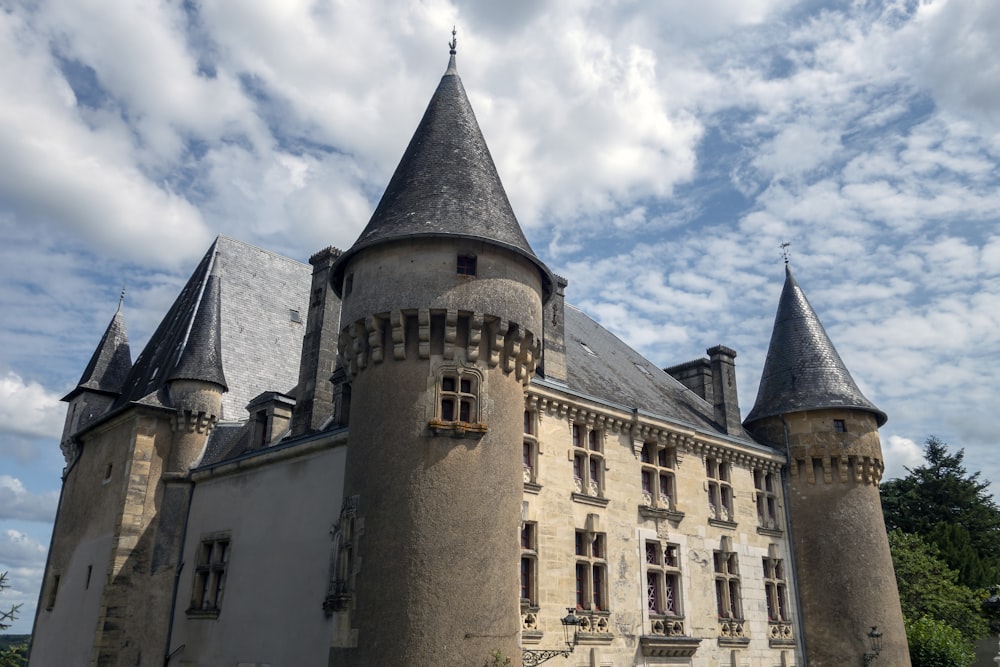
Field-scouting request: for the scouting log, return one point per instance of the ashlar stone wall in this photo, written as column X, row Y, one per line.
column 561, row 499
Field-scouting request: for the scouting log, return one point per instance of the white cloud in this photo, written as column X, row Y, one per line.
column 900, row 453
column 27, row 408
column 23, row 558
column 16, row 502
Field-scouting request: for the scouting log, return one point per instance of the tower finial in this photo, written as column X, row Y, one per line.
column 121, row 298
column 454, row 41
column 784, row 250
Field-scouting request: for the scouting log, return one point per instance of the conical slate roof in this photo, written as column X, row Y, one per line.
column 201, row 358
column 261, row 296
column 111, row 362
column 445, row 185
column 803, row 370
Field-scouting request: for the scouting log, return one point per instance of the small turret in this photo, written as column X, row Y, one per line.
column 809, row 406
column 197, row 382
column 100, row 384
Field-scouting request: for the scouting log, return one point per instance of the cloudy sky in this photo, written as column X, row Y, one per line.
column 657, row 155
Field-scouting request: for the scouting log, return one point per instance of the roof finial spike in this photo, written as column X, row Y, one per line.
column 121, row 298
column 454, row 41
column 784, row 250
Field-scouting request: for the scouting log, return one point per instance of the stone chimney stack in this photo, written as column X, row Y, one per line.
column 314, row 403
column 554, row 352
column 725, row 400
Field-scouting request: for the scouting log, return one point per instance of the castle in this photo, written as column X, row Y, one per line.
column 319, row 465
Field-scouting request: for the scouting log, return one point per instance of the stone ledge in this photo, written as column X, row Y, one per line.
column 589, row 500
column 660, row 513
column 668, row 647
column 721, row 523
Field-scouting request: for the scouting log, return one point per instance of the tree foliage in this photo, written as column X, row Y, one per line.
column 950, row 508
column 937, row 644
column 16, row 655
column 929, row 588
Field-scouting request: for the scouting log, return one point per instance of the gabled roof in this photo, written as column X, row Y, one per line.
column 802, row 370
column 445, row 185
column 111, row 362
column 263, row 301
column 601, row 365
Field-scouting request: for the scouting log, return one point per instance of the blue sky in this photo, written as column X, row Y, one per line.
column 657, row 155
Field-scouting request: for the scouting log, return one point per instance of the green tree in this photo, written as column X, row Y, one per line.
column 929, row 588
column 936, row 644
column 16, row 655
column 951, row 508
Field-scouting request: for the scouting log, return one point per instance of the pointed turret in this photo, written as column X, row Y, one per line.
column 201, row 356
column 802, row 370
column 111, row 362
column 100, row 385
column 809, row 407
column 446, row 185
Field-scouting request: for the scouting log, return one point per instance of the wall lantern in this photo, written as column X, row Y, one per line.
column 530, row 658
column 875, row 642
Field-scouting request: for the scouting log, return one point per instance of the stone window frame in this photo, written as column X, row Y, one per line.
column 720, row 490
column 458, row 396
column 662, row 565
column 588, row 460
column 775, row 587
column 659, row 465
column 530, row 451
column 450, row 388
column 728, row 594
column 211, row 569
column 591, row 570
column 766, row 499
column 529, row 564
column 839, row 426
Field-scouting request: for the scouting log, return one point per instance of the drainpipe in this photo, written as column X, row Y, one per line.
column 791, row 542
column 167, row 655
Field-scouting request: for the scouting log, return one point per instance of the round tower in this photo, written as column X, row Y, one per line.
column 809, row 406
column 440, row 333
column 197, row 382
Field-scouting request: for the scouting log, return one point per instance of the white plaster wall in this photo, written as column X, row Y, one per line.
column 279, row 516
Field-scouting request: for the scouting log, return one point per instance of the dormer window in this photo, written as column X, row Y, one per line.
column 466, row 265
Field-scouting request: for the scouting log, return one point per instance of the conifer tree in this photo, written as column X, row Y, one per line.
column 950, row 508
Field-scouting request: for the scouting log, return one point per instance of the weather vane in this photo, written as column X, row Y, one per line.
column 454, row 40
column 121, row 298
column 784, row 250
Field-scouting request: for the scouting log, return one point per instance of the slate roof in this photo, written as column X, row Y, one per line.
column 802, row 370
column 260, row 341
column 599, row 364
column 201, row 358
column 111, row 362
column 446, row 184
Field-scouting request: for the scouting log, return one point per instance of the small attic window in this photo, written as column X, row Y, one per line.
column 589, row 351
column 839, row 426
column 643, row 369
column 466, row 265
column 294, row 316
column 348, row 284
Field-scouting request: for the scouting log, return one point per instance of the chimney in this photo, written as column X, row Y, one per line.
column 727, row 405
column 696, row 375
column 553, row 364
column 314, row 400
